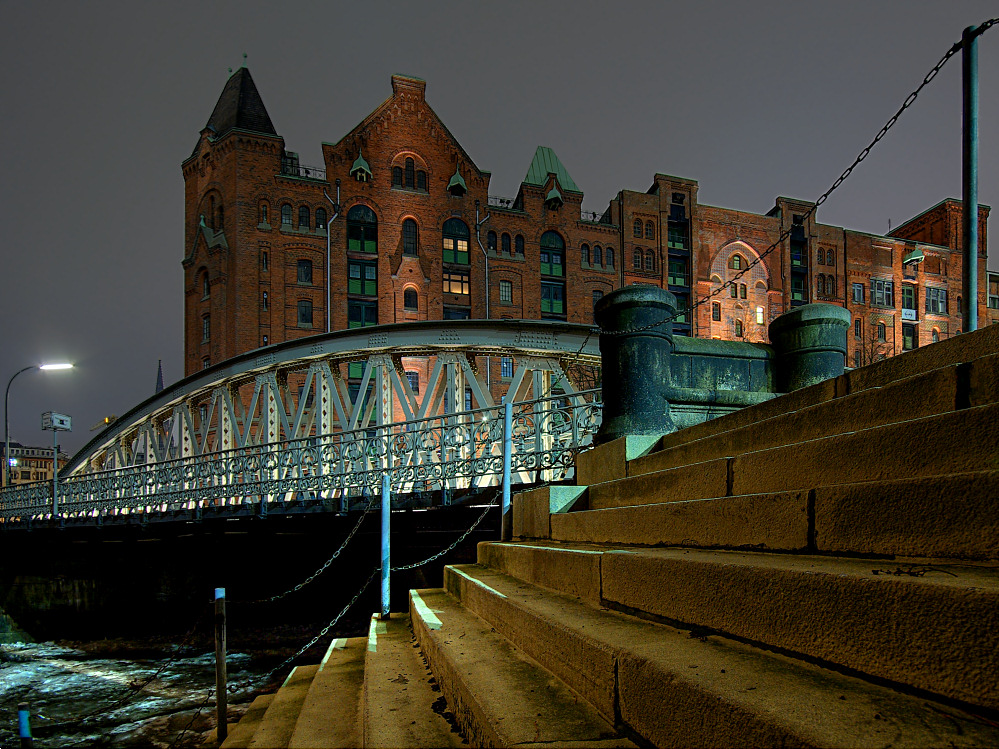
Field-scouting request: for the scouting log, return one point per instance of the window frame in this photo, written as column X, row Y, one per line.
column 304, row 272
column 305, row 309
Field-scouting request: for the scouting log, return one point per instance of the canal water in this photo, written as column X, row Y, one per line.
column 77, row 698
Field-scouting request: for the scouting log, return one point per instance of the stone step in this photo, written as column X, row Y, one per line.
column 278, row 723
column 675, row 687
column 913, row 624
column 241, row 733
column 939, row 391
column 499, row 696
column 955, row 516
column 915, row 448
column 401, row 704
column 329, row 715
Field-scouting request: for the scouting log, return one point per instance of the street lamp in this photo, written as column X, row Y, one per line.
column 6, row 413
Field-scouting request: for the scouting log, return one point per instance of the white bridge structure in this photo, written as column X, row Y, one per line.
column 314, row 424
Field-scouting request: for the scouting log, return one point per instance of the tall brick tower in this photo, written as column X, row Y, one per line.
column 220, row 277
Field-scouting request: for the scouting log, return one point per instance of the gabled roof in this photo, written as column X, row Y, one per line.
column 546, row 162
column 240, row 107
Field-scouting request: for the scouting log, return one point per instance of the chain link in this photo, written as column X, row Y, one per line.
column 357, row 526
column 461, row 538
column 909, row 100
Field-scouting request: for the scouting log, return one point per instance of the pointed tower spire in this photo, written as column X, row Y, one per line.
column 159, row 376
column 240, row 107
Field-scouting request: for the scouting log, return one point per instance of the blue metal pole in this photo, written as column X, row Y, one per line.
column 24, row 725
column 969, row 175
column 506, row 519
column 386, row 553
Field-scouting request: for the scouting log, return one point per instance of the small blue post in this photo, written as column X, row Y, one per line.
column 221, row 675
column 506, row 518
column 386, row 552
column 24, row 725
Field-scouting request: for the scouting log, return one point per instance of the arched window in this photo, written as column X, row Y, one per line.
column 286, row 214
column 410, row 237
column 821, row 257
column 650, row 260
column 321, row 219
column 263, row 301
column 362, row 229
column 935, row 335
column 882, row 332
column 609, row 254
column 742, row 291
column 455, row 234
column 584, row 253
column 733, row 291
column 303, row 217
column 263, row 213
column 410, row 299
column 505, row 243
column 397, row 176
column 552, row 254
column 304, row 313
column 831, row 285
column 211, row 211
column 421, row 180
column 820, row 285
column 830, row 257
column 736, row 262
column 518, row 244
column 410, row 173
column 598, row 255
column 305, row 271
column 491, row 241
column 637, row 228
column 650, row 230
column 759, row 315
column 205, row 289
column 738, row 328
column 221, row 218
column 636, row 259
column 716, row 311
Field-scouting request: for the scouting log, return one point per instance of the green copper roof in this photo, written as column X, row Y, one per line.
column 546, row 162
column 916, row 256
column 360, row 163
column 554, row 194
column 457, row 179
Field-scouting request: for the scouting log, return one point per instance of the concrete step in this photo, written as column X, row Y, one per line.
column 674, row 687
column 278, row 722
column 501, row 697
column 329, row 718
column 241, row 733
column 909, row 449
column 954, row 516
column 401, row 705
column 927, row 626
column 940, row 391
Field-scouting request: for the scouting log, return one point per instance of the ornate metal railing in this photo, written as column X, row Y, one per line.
column 294, row 169
column 449, row 452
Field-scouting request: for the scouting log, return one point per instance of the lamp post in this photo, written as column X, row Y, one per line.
column 6, row 413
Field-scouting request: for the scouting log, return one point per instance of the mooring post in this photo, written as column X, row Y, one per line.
column 221, row 688
column 24, row 725
column 386, row 553
column 506, row 517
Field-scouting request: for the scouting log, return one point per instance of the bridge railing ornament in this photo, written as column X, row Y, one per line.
column 454, row 451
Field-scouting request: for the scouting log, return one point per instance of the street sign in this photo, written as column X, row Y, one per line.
column 57, row 422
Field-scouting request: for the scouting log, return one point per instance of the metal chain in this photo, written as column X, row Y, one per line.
column 909, row 100
column 357, row 526
column 461, row 538
column 202, row 706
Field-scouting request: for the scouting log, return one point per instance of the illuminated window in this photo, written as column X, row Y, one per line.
column 456, row 282
column 759, row 315
column 736, row 262
column 455, row 234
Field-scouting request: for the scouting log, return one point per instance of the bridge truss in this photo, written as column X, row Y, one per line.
column 320, row 420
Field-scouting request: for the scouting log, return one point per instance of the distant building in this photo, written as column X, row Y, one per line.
column 30, row 464
column 993, row 298
column 405, row 245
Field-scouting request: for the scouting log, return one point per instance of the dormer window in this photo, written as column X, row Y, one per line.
column 456, row 186
column 360, row 169
column 553, row 200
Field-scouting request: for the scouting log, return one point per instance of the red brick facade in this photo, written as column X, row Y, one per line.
column 255, row 242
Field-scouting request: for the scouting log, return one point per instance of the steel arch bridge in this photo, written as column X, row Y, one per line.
column 320, row 420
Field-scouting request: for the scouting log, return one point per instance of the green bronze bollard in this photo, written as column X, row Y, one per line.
column 810, row 343
column 635, row 361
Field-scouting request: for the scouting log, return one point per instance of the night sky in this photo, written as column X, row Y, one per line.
column 103, row 101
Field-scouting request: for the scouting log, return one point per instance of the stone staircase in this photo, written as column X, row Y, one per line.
column 821, row 569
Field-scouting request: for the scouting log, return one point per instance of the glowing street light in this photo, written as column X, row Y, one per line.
column 6, row 412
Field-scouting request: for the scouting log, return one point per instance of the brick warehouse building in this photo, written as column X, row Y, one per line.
column 410, row 244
